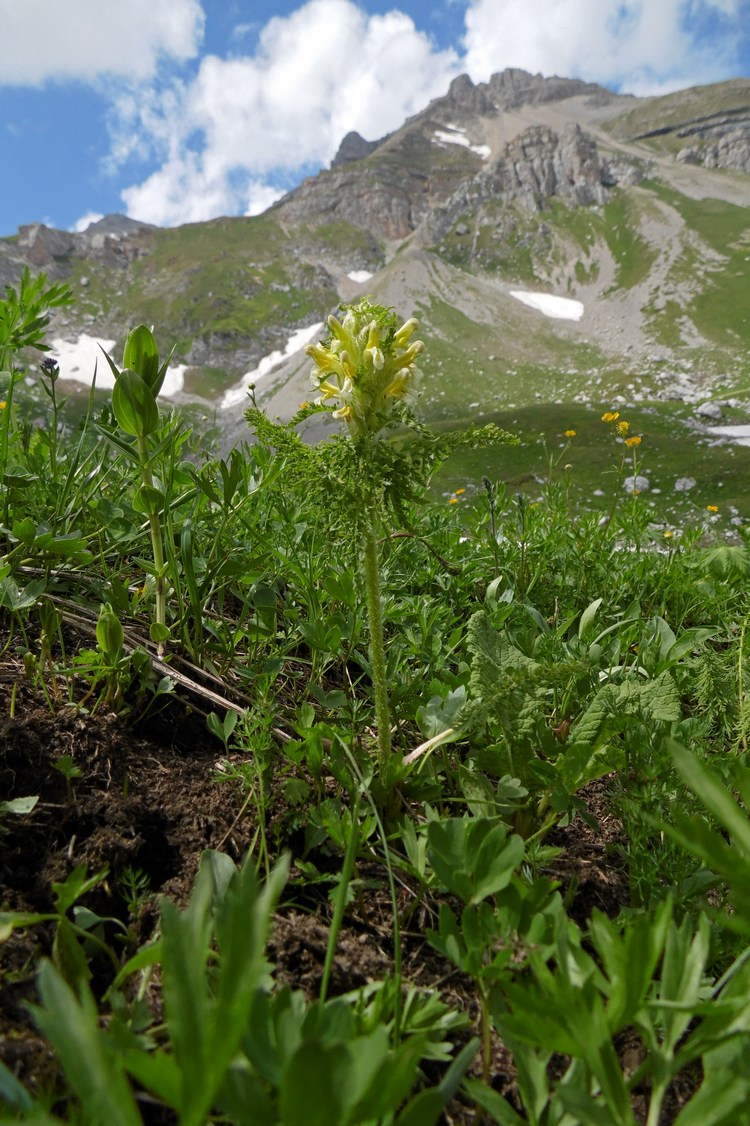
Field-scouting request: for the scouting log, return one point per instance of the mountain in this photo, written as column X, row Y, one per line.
column 637, row 208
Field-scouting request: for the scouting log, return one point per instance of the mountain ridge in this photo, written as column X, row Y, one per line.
column 523, row 183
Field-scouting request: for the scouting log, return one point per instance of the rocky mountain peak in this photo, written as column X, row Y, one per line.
column 354, row 147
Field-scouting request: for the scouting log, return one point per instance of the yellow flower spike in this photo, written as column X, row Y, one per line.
column 712, row 508
column 372, row 348
column 634, row 441
column 407, row 328
column 411, row 353
column 328, row 391
column 343, row 332
column 348, row 367
column 323, row 357
column 398, row 387
column 569, row 433
column 344, row 412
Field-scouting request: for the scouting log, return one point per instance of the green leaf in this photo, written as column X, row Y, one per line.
column 313, row 1086
column 148, row 501
column 69, row 956
column 473, row 858
column 141, row 355
column 586, row 624
column 490, row 1100
column 13, row 1093
column 24, row 530
column 19, row 806
column 662, row 698
column 72, row 1026
column 714, row 796
column 134, row 405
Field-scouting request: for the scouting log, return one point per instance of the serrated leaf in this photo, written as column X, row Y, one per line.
column 662, row 699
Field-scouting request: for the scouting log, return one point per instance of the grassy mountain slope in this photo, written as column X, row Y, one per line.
column 479, row 196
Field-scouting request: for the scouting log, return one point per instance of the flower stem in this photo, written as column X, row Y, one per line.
column 377, row 647
column 160, row 615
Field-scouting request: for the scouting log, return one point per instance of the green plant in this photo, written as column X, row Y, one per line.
column 647, row 974
column 229, row 1044
column 367, row 366
column 75, row 938
column 134, row 396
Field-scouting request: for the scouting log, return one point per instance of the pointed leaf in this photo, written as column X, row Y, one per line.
column 134, row 405
column 72, row 1026
column 141, row 355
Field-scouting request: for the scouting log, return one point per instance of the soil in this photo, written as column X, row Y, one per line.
column 150, row 797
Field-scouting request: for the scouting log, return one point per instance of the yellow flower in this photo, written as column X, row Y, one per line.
column 712, row 508
column 459, row 492
column 634, row 441
column 668, row 533
column 610, row 416
column 3, row 405
column 623, row 427
column 304, row 404
column 569, row 433
column 366, row 366
column 453, row 500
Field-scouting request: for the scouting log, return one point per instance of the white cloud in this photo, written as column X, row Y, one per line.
column 260, row 196
column 225, row 139
column 642, row 47
column 86, row 39
column 318, row 73
column 86, row 220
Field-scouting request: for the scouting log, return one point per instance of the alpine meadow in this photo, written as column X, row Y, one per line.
column 374, row 671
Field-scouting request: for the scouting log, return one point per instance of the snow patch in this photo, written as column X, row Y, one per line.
column 457, row 136
column 359, row 276
column 79, row 359
column 561, row 308
column 237, row 394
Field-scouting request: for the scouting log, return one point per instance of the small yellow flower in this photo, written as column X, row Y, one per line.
column 569, row 433
column 668, row 534
column 3, row 405
column 303, row 404
column 610, row 416
column 460, row 492
column 712, row 508
column 453, row 500
column 634, row 441
column 635, row 492
column 623, row 427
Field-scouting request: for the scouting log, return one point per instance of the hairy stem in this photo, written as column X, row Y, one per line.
column 377, row 647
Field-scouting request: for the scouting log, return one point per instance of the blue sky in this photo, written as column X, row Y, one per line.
column 175, row 111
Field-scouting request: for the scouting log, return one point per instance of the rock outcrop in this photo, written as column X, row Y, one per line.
column 730, row 151
column 114, row 241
